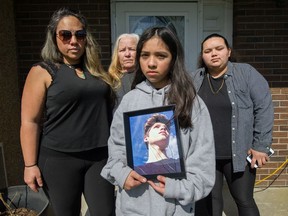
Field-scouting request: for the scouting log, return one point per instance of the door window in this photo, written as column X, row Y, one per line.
column 191, row 20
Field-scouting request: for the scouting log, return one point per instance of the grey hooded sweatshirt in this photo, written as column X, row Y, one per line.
column 198, row 152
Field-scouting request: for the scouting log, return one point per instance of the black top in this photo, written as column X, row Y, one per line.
column 220, row 111
column 126, row 82
column 78, row 113
column 169, row 165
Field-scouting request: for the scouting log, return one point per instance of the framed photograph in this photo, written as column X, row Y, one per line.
column 153, row 142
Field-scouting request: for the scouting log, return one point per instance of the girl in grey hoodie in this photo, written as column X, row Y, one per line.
column 161, row 79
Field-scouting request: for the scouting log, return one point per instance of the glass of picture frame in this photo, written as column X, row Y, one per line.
column 153, row 143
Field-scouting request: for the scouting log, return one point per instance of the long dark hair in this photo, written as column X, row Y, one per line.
column 182, row 91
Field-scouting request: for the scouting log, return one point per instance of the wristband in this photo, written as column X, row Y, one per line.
column 31, row 165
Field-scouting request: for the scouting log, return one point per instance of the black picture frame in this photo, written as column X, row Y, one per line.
column 137, row 149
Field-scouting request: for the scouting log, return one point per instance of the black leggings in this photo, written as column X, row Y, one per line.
column 241, row 187
column 68, row 175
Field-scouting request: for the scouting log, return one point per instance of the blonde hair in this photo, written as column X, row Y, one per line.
column 115, row 69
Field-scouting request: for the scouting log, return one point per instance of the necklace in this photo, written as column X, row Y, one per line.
column 78, row 70
column 211, row 87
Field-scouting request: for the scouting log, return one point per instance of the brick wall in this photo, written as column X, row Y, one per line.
column 9, row 97
column 260, row 37
column 32, row 17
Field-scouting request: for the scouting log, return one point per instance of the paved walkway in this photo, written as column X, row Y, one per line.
column 271, row 202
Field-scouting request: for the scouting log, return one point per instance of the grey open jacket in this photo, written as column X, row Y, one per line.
column 198, row 153
column 252, row 110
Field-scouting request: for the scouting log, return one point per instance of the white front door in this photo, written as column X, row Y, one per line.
column 193, row 20
column 135, row 17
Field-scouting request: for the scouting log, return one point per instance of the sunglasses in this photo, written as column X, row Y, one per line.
column 65, row 35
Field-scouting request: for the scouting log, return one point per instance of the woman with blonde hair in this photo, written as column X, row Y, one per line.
column 66, row 154
column 123, row 63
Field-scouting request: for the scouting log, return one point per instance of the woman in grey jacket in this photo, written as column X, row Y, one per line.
column 161, row 79
column 240, row 104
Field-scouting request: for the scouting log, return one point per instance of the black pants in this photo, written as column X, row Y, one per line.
column 68, row 175
column 241, row 187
